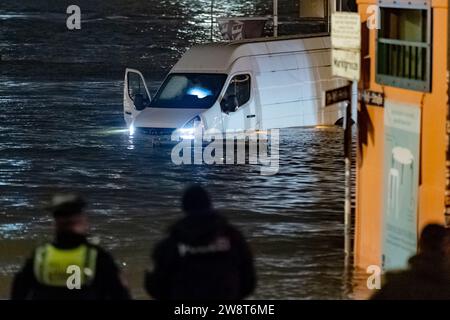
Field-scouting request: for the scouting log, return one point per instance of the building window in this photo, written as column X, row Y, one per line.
column 404, row 48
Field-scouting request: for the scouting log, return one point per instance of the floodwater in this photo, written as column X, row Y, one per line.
column 61, row 129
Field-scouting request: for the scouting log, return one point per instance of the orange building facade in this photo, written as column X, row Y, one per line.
column 404, row 57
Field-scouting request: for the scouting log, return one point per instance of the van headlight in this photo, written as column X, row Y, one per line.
column 131, row 129
column 188, row 130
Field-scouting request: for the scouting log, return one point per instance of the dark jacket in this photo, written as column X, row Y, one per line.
column 203, row 258
column 426, row 279
column 107, row 283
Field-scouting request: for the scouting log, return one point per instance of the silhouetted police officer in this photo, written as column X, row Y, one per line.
column 204, row 257
column 70, row 267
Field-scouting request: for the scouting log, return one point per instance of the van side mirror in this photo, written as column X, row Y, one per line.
column 230, row 104
column 139, row 102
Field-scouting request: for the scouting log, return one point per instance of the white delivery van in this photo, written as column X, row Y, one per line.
column 256, row 84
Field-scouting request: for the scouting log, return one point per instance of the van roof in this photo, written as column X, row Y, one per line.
column 219, row 57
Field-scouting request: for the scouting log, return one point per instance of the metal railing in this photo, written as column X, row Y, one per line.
column 404, row 64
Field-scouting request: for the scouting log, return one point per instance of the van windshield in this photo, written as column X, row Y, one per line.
column 193, row 90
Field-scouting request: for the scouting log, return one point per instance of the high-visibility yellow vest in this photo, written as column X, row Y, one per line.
column 53, row 266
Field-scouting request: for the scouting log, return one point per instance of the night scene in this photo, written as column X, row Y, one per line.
column 216, row 158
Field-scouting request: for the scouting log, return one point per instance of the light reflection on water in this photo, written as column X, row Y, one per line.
column 10, row 230
column 61, row 129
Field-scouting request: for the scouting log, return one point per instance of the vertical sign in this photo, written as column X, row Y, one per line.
column 346, row 45
column 401, row 183
column 346, row 64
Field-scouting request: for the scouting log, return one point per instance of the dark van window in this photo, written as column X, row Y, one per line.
column 192, row 90
column 237, row 94
column 136, row 87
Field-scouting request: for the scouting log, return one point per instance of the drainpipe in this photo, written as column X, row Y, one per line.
column 331, row 10
column 447, row 187
column 212, row 20
column 275, row 18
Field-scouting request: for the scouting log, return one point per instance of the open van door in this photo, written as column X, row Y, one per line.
column 135, row 95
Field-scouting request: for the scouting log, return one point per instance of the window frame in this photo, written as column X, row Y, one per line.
column 141, row 85
column 228, row 83
column 397, row 81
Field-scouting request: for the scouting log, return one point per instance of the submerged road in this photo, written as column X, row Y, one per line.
column 61, row 128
